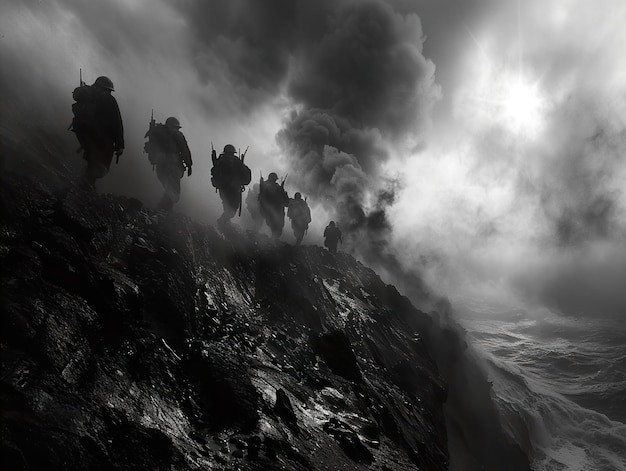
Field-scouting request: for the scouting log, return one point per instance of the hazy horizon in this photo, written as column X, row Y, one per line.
column 479, row 144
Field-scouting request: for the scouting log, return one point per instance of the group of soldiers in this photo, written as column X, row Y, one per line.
column 98, row 127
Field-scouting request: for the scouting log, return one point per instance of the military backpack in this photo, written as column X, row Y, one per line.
column 160, row 141
column 84, row 109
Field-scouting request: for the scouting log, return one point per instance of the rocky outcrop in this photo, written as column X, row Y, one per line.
column 139, row 340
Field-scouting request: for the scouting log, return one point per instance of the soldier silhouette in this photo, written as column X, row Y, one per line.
column 254, row 207
column 300, row 215
column 332, row 235
column 98, row 127
column 273, row 200
column 229, row 176
column 168, row 150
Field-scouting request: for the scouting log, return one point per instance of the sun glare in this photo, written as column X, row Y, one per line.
column 501, row 96
column 522, row 107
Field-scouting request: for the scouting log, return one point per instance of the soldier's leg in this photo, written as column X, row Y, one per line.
column 165, row 202
column 98, row 154
column 227, row 214
column 230, row 204
column 169, row 175
column 172, row 181
column 275, row 223
column 100, row 157
column 280, row 221
column 87, row 180
column 299, row 233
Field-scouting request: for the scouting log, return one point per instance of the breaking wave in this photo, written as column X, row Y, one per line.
column 559, row 382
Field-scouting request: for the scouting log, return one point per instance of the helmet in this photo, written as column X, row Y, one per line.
column 104, row 82
column 229, row 149
column 272, row 177
column 298, row 195
column 172, row 122
column 331, row 223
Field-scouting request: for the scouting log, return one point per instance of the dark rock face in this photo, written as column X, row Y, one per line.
column 335, row 349
column 139, row 340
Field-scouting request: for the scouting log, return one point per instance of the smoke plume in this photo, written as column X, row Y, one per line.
column 360, row 92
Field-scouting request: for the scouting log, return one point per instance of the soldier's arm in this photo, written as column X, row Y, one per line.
column 183, row 147
column 117, row 125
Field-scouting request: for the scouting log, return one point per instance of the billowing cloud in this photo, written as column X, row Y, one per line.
column 361, row 90
column 480, row 141
column 525, row 179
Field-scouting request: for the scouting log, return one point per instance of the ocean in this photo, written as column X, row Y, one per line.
column 559, row 382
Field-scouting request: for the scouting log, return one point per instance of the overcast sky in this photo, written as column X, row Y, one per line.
column 479, row 141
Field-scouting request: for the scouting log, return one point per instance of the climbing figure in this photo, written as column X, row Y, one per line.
column 98, row 127
column 168, row 151
column 273, row 200
column 254, row 207
column 332, row 235
column 229, row 176
column 300, row 215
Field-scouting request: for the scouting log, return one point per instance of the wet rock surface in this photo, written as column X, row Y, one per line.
column 132, row 339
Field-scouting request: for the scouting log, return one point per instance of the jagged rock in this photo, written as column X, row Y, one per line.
column 222, row 387
column 337, row 352
column 139, row 340
column 348, row 440
column 283, row 407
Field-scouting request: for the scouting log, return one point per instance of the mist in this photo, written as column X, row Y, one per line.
column 474, row 148
column 521, row 191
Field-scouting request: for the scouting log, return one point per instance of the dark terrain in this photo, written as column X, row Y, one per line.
column 132, row 339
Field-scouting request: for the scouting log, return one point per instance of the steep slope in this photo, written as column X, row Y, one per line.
column 140, row 340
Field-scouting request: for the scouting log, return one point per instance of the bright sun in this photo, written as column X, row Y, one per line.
column 503, row 97
column 522, row 107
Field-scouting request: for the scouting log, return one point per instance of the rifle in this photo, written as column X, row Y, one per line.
column 282, row 185
column 213, row 154
column 151, row 126
column 80, row 84
column 243, row 188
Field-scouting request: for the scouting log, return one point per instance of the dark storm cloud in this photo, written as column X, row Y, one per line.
column 249, row 42
column 363, row 83
column 310, row 131
column 361, row 87
column 368, row 68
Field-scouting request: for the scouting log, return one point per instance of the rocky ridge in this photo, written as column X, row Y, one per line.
column 133, row 339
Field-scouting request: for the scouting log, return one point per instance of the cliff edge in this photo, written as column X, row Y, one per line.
column 132, row 339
